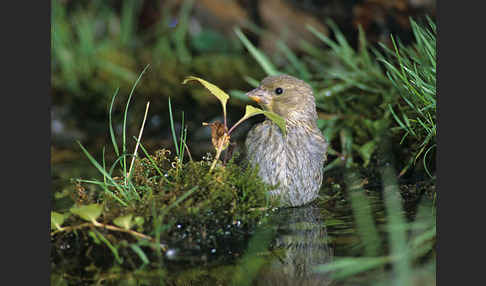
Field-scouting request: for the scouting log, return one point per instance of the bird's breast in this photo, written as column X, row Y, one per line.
column 293, row 162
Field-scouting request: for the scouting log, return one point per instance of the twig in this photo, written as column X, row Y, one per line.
column 71, row 228
column 218, row 153
column 259, row 209
column 114, row 228
column 101, row 225
column 187, row 149
column 138, row 142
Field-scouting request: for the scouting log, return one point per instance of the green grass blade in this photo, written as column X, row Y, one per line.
column 262, row 60
column 110, row 246
column 397, row 237
column 181, row 140
column 102, row 171
column 172, row 128
column 128, row 21
column 124, row 146
column 112, row 133
column 180, row 199
column 363, row 215
column 348, row 266
column 140, row 254
column 162, row 175
column 294, row 61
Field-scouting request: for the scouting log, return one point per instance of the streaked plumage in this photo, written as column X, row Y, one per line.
column 294, row 162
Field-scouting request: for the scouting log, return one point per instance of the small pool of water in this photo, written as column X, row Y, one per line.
column 283, row 250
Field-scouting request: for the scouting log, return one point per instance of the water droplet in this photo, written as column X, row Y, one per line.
column 57, row 126
column 213, row 250
column 171, row 253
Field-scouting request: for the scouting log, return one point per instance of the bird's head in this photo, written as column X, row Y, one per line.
column 287, row 96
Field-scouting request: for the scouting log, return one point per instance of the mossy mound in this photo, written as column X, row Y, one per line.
column 175, row 209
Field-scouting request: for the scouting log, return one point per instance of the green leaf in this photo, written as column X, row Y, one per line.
column 140, row 253
column 124, row 221
column 277, row 119
column 57, row 219
column 252, row 111
column 99, row 237
column 216, row 91
column 366, row 151
column 94, row 237
column 139, row 220
column 88, row 212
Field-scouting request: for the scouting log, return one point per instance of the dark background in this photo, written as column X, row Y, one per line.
column 96, row 50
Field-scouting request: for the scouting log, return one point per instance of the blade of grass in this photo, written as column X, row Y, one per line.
column 363, row 215
column 180, row 199
column 264, row 62
column 110, row 246
column 124, row 146
column 127, row 21
column 153, row 163
column 174, row 137
column 105, row 189
column 182, row 140
column 348, row 266
column 103, row 171
column 180, row 33
column 112, row 133
column 294, row 61
column 397, row 237
column 140, row 254
column 104, row 164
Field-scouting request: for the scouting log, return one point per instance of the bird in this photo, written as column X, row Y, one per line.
column 293, row 162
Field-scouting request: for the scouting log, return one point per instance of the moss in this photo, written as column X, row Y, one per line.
column 223, row 208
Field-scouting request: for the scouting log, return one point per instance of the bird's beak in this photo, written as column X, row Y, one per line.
column 259, row 95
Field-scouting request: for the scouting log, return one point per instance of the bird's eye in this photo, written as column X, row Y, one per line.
column 278, row 90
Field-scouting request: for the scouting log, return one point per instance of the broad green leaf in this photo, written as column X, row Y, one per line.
column 277, row 119
column 252, row 111
column 124, row 221
column 56, row 220
column 139, row 220
column 216, row 91
column 88, row 212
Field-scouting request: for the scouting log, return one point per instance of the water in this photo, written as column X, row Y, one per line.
column 284, row 250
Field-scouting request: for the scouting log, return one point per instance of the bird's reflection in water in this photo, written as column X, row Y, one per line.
column 300, row 245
